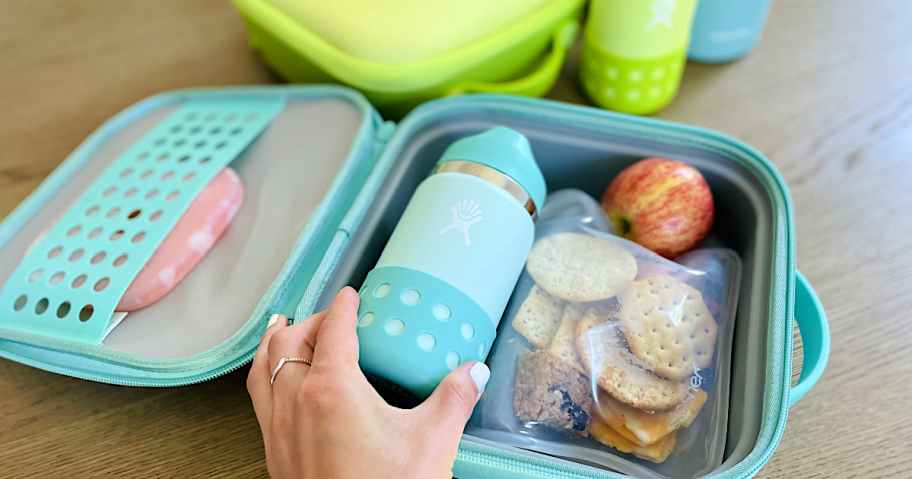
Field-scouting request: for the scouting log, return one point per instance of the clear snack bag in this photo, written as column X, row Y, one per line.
column 611, row 355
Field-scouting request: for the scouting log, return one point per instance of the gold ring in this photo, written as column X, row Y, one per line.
column 282, row 363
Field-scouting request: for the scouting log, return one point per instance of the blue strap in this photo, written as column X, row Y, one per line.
column 815, row 337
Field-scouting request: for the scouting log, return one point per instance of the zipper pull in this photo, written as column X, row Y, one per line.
column 385, row 131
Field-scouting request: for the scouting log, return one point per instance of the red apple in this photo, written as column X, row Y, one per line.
column 662, row 204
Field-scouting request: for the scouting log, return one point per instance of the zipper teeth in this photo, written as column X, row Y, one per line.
column 138, row 382
column 483, row 458
column 512, row 464
column 117, row 358
column 486, row 459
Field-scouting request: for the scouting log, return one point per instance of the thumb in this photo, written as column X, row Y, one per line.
column 451, row 404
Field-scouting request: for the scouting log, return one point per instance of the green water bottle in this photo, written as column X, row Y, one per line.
column 634, row 52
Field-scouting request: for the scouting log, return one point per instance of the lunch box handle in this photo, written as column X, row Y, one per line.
column 539, row 81
column 815, row 337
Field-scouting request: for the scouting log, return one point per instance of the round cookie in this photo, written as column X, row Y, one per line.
column 668, row 326
column 579, row 267
column 617, row 371
column 551, row 393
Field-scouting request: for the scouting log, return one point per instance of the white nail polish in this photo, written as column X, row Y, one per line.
column 272, row 320
column 480, row 375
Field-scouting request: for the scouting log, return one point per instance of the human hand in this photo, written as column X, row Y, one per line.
column 326, row 421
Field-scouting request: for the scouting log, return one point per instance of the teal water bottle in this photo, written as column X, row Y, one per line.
column 725, row 30
column 436, row 295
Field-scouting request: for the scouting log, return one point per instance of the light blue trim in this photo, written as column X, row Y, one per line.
column 103, row 365
column 815, row 337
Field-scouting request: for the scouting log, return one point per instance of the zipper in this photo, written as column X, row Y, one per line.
column 384, row 131
column 55, row 359
column 116, row 358
column 137, row 382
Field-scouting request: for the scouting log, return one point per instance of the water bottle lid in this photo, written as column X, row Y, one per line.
column 506, row 151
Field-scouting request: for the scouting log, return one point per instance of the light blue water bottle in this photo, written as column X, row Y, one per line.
column 436, row 296
column 725, row 30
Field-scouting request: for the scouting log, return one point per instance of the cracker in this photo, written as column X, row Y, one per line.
column 668, row 326
column 563, row 343
column 605, row 357
column 579, row 267
column 539, row 317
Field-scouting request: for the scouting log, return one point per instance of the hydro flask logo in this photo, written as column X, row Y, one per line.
column 661, row 14
column 465, row 213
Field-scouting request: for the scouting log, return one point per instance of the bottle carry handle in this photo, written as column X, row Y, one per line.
column 815, row 337
column 539, row 81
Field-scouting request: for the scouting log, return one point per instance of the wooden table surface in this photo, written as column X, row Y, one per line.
column 827, row 96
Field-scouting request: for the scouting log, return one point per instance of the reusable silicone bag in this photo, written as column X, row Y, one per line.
column 547, row 391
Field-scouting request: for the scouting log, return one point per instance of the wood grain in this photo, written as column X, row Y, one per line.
column 827, row 96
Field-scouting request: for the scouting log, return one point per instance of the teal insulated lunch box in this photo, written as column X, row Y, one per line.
column 326, row 182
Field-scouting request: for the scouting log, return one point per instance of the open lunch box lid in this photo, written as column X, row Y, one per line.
column 403, row 31
column 471, row 50
column 319, row 170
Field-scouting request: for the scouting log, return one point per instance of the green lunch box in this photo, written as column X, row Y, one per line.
column 523, row 58
column 328, row 179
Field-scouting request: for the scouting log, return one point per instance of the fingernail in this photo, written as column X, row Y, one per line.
column 272, row 320
column 480, row 375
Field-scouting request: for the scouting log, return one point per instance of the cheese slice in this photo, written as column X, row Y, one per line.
column 647, row 427
column 616, row 421
column 657, row 452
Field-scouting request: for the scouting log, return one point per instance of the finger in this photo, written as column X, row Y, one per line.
column 297, row 341
column 260, row 369
column 258, row 377
column 337, row 339
column 451, row 404
column 293, row 342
